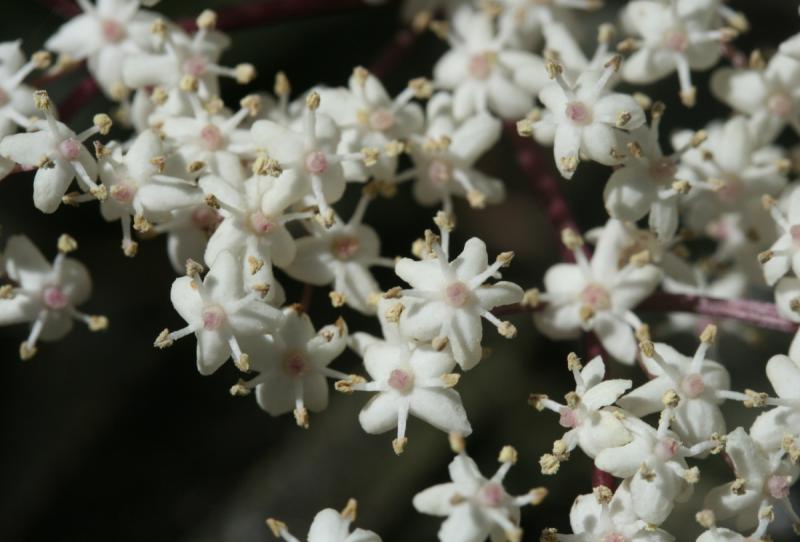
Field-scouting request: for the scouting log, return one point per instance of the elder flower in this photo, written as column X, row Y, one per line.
column 408, row 379
column 780, row 427
column 16, row 107
column 707, row 519
column 655, row 462
column 784, row 254
column 767, row 93
column 137, row 189
column 590, row 425
column 700, row 385
column 476, row 507
column 598, row 295
column 58, row 153
column 448, row 298
column 308, row 160
column 787, row 300
column 328, row 526
column 483, row 73
column 584, row 118
column 342, row 255
column 603, row 516
column 105, row 34
column 292, row 362
column 669, row 40
column 218, row 311
column 187, row 232
column 762, row 479
column 369, row 118
column 44, row 294
column 444, row 158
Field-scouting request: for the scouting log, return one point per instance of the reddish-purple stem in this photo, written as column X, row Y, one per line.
column 533, row 163
column 602, row 478
column 395, row 52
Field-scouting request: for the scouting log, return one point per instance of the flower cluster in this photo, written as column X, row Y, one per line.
column 247, row 188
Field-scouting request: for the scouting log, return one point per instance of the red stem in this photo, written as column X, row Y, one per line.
column 546, row 187
column 395, row 52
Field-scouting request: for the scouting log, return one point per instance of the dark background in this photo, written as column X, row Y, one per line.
column 102, row 437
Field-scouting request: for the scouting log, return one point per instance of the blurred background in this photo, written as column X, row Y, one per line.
column 104, row 437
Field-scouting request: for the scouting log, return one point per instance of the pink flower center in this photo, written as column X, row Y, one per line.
column 381, row 120
column 205, row 217
column 596, row 297
column 316, row 162
column 260, row 223
column 211, row 137
column 579, row 113
column 4, row 99
column 401, row 380
column 693, row 385
column 439, row 172
column 569, row 418
column 195, row 66
column 613, row 537
column 295, row 364
column 480, row 66
column 122, row 192
column 731, row 191
column 70, row 148
column 492, row 494
column 780, row 104
column 677, row 40
column 113, row 32
column 794, row 231
column 456, row 294
column 666, row 449
column 213, row 318
column 54, row 298
column 778, row 487
column 662, row 169
column 345, row 248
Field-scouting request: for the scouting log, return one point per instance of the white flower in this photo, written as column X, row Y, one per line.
column 700, row 384
column 732, row 172
column 342, row 255
column 648, row 183
column 58, row 153
column 218, row 311
column 787, row 300
column 791, row 47
column 44, row 294
column 784, row 254
column 183, row 60
column 552, row 19
column 599, row 295
column 771, row 427
column 292, row 362
column 669, row 40
column 601, row 517
column 370, row 118
column 16, row 107
column 187, row 232
column 253, row 227
column 584, row 119
column 137, row 187
column 328, row 526
column 308, row 156
column 213, row 139
column 762, row 479
column 655, row 463
column 105, row 34
column 444, row 158
column 719, row 534
column 769, row 94
column 408, row 379
column 476, row 507
column 483, row 73
column 590, row 425
column 447, row 299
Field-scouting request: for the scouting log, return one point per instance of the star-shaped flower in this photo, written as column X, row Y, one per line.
column 772, row 428
column 476, row 507
column 218, row 311
column 328, row 526
column 448, row 298
column 44, row 294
